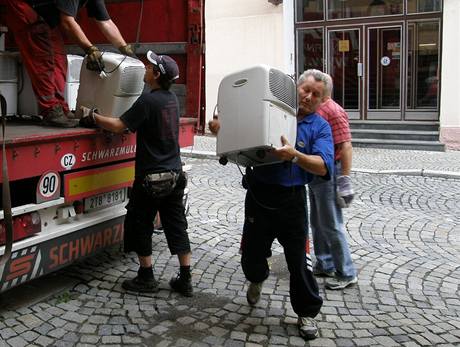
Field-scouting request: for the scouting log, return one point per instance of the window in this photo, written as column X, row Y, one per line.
column 310, row 46
column 417, row 6
column 308, row 10
column 338, row 9
column 423, row 65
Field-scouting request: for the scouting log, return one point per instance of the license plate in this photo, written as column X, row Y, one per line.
column 105, row 199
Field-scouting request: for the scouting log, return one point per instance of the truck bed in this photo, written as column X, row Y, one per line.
column 18, row 132
column 33, row 149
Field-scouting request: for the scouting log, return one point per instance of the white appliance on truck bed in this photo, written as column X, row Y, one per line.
column 256, row 106
column 27, row 101
column 114, row 90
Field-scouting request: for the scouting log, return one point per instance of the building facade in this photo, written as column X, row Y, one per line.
column 239, row 34
column 391, row 60
column 387, row 57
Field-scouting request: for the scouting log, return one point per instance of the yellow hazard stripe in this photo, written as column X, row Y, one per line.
column 101, row 180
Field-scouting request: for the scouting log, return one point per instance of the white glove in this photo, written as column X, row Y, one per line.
column 345, row 192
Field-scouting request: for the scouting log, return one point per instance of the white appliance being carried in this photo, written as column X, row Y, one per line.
column 113, row 91
column 256, row 106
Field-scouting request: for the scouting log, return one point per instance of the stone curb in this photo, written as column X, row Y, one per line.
column 398, row 172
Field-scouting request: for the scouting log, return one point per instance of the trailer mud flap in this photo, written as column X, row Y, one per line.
column 51, row 255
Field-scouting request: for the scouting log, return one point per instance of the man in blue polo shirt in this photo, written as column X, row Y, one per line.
column 275, row 205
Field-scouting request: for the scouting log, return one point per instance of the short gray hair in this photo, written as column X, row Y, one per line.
column 319, row 76
column 328, row 85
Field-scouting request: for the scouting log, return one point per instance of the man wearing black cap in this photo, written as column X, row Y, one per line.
column 159, row 181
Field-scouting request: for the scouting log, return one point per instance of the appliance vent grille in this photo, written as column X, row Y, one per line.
column 131, row 80
column 8, row 69
column 282, row 87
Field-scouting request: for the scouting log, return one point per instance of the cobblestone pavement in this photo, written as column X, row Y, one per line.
column 373, row 159
column 405, row 239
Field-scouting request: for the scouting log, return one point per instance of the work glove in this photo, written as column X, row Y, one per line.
column 127, row 50
column 214, row 125
column 94, row 60
column 87, row 119
column 345, row 193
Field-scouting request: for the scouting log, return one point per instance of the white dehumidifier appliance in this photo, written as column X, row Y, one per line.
column 28, row 104
column 114, row 90
column 256, row 106
column 74, row 63
column 9, row 82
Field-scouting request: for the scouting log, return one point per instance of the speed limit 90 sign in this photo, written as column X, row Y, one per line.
column 48, row 186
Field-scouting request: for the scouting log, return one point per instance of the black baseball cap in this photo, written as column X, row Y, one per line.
column 165, row 64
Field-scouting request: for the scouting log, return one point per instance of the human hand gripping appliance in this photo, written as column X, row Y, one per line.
column 256, row 107
column 115, row 88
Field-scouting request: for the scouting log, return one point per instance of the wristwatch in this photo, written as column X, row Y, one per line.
column 295, row 159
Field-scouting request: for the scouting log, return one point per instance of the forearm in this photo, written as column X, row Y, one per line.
column 346, row 154
column 112, row 124
column 311, row 163
column 111, row 33
column 73, row 31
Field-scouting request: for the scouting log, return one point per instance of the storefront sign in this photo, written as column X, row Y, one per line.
column 344, row 45
column 385, row 61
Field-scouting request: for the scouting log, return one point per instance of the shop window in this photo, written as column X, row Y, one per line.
column 423, row 65
column 419, row 6
column 310, row 46
column 338, row 9
column 309, row 10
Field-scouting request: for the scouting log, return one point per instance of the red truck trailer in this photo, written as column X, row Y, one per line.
column 69, row 186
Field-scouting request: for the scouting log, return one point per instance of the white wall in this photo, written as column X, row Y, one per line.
column 240, row 33
column 450, row 74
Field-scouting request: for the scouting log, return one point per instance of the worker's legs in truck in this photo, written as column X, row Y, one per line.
column 43, row 55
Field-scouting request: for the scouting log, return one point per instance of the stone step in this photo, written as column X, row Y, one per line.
column 395, row 134
column 400, row 144
column 395, row 125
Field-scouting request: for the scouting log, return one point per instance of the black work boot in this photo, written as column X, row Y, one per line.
column 56, row 117
column 182, row 284
column 144, row 282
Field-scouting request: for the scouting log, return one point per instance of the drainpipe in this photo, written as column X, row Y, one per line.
column 289, row 37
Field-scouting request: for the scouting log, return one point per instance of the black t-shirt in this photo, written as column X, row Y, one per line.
column 50, row 10
column 155, row 118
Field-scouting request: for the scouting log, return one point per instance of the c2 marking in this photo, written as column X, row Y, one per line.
column 68, row 160
column 49, row 184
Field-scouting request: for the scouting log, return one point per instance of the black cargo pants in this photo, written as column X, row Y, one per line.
column 286, row 221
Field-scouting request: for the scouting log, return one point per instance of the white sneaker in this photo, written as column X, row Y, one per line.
column 253, row 293
column 307, row 328
column 337, row 283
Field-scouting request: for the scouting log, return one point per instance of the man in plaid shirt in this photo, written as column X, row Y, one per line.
column 327, row 198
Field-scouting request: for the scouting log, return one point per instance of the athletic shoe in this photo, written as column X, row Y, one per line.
column 307, row 328
column 138, row 284
column 181, row 285
column 57, row 118
column 253, row 293
column 340, row 283
column 322, row 273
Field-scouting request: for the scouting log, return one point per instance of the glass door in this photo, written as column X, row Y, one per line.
column 422, row 85
column 345, row 67
column 384, row 70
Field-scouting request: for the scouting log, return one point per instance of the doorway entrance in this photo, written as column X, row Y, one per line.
column 344, row 64
column 381, row 70
column 372, row 90
column 384, row 69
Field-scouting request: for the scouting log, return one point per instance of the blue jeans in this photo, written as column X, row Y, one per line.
column 326, row 222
